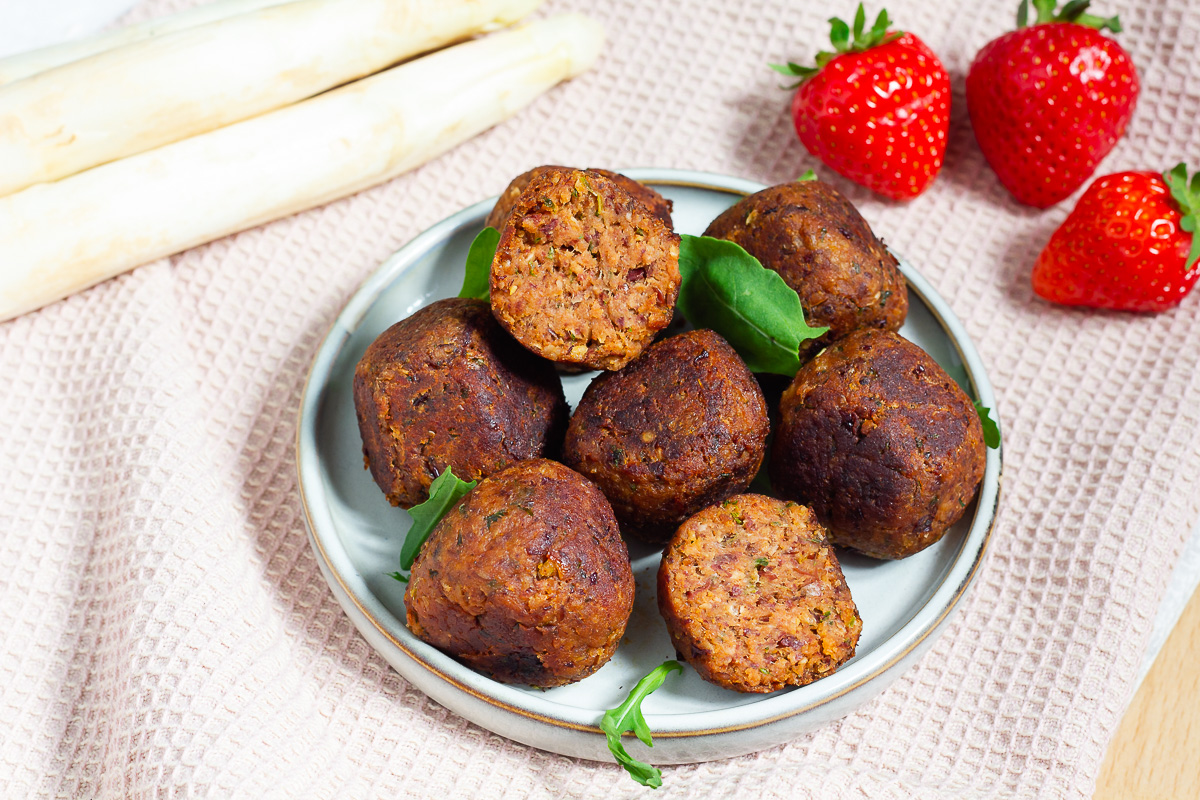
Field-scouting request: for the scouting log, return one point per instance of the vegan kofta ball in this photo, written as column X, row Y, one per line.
column 658, row 205
column 823, row 248
column 683, row 426
column 526, row 580
column 754, row 597
column 583, row 273
column 447, row 387
column 881, row 442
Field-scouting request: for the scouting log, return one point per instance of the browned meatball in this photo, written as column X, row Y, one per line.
column 527, row 579
column 754, row 597
column 676, row 430
column 881, row 442
column 658, row 205
column 822, row 247
column 447, row 387
column 584, row 274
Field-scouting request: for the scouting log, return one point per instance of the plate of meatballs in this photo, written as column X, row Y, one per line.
column 795, row 541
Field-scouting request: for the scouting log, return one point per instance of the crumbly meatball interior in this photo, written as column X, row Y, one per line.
column 881, row 442
column 754, row 597
column 680, row 428
column 658, row 205
column 448, row 387
column 654, row 202
column 527, row 579
column 584, row 274
column 822, row 247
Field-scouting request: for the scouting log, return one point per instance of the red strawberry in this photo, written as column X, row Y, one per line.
column 876, row 110
column 1047, row 102
column 1129, row 244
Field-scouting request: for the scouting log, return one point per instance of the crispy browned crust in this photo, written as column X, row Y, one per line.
column 881, row 442
column 658, row 205
column 527, row 579
column 676, row 430
column 584, row 274
column 447, row 387
column 754, row 597
column 823, row 248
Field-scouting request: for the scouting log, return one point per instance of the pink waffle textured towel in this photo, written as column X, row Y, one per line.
column 165, row 628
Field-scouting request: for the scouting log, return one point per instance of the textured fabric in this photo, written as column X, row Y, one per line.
column 166, row 630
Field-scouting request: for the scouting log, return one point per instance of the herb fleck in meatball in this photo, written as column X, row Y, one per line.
column 527, row 579
column 447, row 387
column 658, row 205
column 822, row 247
column 680, row 428
column 881, row 442
column 754, row 597
column 584, row 274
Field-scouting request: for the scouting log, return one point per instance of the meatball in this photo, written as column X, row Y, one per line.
column 447, row 387
column 754, row 597
column 822, row 247
column 658, row 205
column 527, row 579
column 654, row 202
column 584, row 274
column 678, row 429
column 881, row 442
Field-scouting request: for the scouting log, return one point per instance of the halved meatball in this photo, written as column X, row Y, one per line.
column 881, row 442
column 584, row 274
column 754, row 597
column 676, row 430
column 654, row 202
column 447, row 387
column 527, row 579
column 823, row 248
column 658, row 205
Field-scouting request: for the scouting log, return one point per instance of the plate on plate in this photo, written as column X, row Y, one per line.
column 356, row 536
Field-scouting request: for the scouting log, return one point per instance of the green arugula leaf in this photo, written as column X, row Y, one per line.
column 628, row 717
column 478, row 273
column 808, row 175
column 727, row 290
column 444, row 492
column 991, row 431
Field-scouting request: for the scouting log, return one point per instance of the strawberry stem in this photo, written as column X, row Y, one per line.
column 1074, row 11
column 839, row 37
column 1188, row 198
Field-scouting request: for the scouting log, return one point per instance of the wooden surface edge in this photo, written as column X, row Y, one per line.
column 1155, row 754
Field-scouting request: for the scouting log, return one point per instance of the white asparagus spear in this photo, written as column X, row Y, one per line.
column 161, row 90
column 61, row 237
column 31, row 62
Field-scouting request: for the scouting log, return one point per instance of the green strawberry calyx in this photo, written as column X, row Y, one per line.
column 839, row 35
column 1188, row 198
column 1074, row 11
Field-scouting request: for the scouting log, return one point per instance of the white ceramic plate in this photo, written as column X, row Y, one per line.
column 356, row 536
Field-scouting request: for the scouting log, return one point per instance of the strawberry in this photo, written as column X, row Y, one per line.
column 1048, row 101
column 1130, row 244
column 876, row 109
